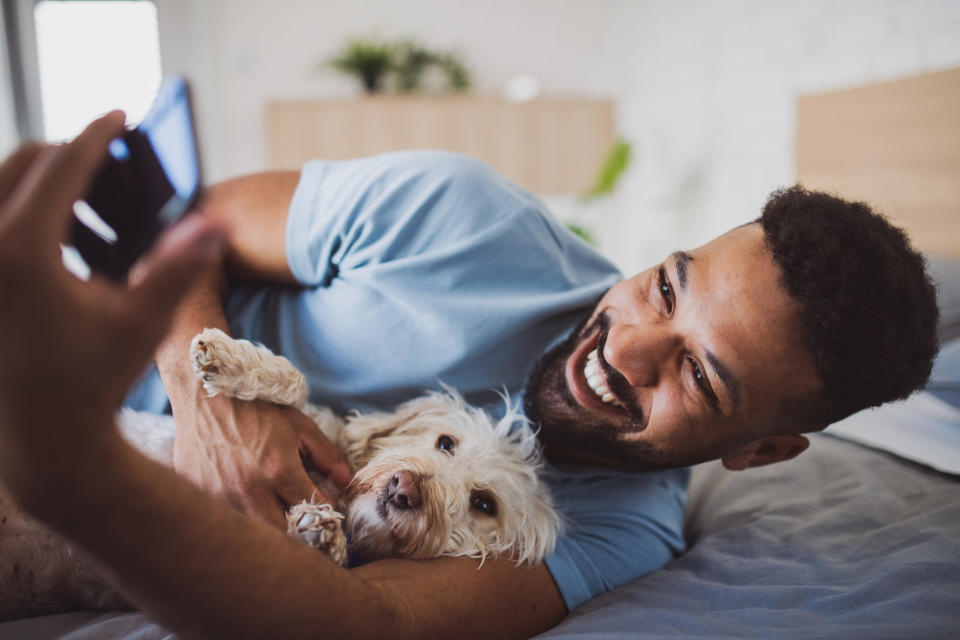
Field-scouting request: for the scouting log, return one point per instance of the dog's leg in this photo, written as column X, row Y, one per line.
column 241, row 369
column 40, row 573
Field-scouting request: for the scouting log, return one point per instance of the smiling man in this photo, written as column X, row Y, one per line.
column 391, row 272
column 680, row 364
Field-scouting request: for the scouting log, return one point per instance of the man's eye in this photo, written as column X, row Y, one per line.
column 445, row 443
column 698, row 375
column 665, row 289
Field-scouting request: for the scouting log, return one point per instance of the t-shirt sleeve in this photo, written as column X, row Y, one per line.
column 419, row 267
column 618, row 527
column 410, row 205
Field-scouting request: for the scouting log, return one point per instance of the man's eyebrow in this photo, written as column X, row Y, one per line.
column 682, row 258
column 727, row 378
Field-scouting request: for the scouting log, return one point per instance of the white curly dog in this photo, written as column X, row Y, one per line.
column 435, row 477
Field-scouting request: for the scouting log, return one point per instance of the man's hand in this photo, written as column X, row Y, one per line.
column 253, row 454
column 70, row 349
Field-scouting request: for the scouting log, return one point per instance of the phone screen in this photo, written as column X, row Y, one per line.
column 149, row 180
column 169, row 127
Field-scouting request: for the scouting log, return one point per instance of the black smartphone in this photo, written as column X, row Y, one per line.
column 149, row 180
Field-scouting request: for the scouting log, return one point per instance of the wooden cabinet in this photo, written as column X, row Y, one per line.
column 550, row 146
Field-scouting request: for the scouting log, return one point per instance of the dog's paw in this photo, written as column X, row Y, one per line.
column 241, row 369
column 209, row 366
column 321, row 527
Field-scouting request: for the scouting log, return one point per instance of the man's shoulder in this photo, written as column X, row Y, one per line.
column 431, row 205
column 425, row 168
column 435, row 161
column 448, row 192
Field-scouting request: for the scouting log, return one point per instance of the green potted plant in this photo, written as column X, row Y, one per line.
column 373, row 59
column 410, row 61
column 458, row 78
column 369, row 59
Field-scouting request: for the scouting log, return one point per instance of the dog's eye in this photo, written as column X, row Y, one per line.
column 483, row 501
column 445, row 443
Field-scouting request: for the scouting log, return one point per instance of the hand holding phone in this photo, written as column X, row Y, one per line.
column 150, row 179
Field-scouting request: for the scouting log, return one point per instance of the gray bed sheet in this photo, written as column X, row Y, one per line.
column 843, row 542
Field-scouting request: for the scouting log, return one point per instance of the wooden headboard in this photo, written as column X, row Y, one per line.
column 895, row 145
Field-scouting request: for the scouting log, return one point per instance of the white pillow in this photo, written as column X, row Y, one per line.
column 922, row 428
column 946, row 275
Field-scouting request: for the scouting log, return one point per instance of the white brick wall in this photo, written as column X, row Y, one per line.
column 242, row 53
column 705, row 88
column 711, row 106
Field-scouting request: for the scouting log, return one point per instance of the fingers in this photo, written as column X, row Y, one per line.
column 182, row 253
column 16, row 165
column 298, row 487
column 325, row 456
column 45, row 196
column 265, row 505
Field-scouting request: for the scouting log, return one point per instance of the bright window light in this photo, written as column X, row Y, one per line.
column 94, row 57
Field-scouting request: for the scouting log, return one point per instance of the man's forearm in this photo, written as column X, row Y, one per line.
column 201, row 308
column 204, row 569
column 201, row 567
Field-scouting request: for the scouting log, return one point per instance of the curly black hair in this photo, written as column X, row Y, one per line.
column 868, row 308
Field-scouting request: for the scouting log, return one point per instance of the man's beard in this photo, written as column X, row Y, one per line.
column 568, row 432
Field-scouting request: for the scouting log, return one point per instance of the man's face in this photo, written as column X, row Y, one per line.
column 685, row 362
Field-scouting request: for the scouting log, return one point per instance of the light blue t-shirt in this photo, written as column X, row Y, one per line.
column 420, row 267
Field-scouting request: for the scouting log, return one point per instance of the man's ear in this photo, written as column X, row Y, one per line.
column 766, row 450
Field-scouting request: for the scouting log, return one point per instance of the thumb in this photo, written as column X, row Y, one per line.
column 325, row 456
column 166, row 273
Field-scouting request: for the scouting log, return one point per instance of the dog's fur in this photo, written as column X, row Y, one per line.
column 491, row 463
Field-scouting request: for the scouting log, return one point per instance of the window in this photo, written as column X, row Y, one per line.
column 94, row 56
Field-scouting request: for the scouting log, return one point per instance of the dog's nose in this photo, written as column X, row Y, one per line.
column 404, row 490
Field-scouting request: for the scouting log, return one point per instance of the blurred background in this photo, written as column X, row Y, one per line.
column 648, row 125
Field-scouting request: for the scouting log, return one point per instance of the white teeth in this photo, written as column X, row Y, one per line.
column 596, row 379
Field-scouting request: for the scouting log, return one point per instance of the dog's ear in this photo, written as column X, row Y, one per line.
column 364, row 435
column 533, row 524
column 530, row 526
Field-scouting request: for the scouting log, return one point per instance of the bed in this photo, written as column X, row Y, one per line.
column 847, row 541
column 859, row 537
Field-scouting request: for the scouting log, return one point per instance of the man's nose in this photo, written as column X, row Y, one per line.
column 403, row 490
column 641, row 351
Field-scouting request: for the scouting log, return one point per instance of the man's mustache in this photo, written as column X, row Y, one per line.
column 616, row 381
